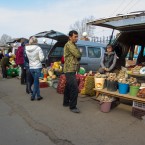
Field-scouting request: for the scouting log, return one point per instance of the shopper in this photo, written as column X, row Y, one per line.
column 20, row 62
column 1, row 55
column 35, row 56
column 108, row 61
column 72, row 56
column 4, row 64
column 29, row 77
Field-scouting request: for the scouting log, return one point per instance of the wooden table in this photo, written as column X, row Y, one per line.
column 116, row 94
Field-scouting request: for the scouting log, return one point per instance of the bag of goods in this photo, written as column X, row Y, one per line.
column 12, row 72
column 82, row 71
column 82, row 82
column 78, row 78
column 136, row 69
column 141, row 93
column 50, row 72
column 122, row 74
column 61, row 84
column 57, row 66
column 89, row 86
column 112, row 83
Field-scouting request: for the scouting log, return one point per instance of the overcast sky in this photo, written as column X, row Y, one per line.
column 28, row 17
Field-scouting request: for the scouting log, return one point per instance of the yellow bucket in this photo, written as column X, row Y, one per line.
column 99, row 83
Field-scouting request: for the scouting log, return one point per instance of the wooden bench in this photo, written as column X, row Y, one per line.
column 116, row 94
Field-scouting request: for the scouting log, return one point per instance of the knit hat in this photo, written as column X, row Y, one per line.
column 10, row 54
column 85, row 34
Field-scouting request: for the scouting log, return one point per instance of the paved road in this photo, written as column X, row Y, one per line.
column 46, row 122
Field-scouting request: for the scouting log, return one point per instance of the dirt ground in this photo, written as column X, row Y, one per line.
column 47, row 122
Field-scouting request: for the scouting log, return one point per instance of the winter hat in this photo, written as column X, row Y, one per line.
column 10, row 54
column 24, row 43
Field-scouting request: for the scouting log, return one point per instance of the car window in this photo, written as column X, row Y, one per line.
column 83, row 50
column 58, row 51
column 94, row 52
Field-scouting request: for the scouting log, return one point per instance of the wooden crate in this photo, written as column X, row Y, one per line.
column 138, row 113
column 43, row 84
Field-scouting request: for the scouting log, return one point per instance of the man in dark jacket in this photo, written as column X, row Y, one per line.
column 29, row 77
column 4, row 64
column 1, row 55
column 72, row 56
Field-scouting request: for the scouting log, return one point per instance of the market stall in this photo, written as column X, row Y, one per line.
column 110, row 86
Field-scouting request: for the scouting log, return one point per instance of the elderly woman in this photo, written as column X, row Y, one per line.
column 108, row 61
column 35, row 56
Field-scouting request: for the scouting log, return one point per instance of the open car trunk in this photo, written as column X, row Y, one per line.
column 56, row 51
column 132, row 21
column 55, row 35
column 132, row 32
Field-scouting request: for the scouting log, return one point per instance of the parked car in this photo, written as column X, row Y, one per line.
column 91, row 55
column 132, row 33
column 45, row 48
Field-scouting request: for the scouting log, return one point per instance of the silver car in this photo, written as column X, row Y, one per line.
column 91, row 55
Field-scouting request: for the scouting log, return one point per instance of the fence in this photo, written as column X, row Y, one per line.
column 103, row 39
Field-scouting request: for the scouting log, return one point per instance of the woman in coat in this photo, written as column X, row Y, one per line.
column 108, row 61
column 35, row 56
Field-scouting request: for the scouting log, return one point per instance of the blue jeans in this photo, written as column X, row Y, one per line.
column 36, row 74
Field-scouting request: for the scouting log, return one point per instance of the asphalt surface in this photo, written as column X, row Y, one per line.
column 47, row 122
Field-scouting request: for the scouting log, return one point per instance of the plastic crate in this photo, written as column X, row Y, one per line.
column 138, row 113
column 138, row 105
column 43, row 84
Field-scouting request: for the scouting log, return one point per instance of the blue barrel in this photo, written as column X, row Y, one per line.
column 123, row 88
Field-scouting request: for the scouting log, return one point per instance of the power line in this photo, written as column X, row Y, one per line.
column 127, row 5
column 133, row 5
column 117, row 8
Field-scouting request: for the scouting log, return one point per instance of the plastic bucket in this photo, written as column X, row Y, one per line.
column 123, row 88
column 112, row 85
column 134, row 90
column 99, row 83
column 105, row 107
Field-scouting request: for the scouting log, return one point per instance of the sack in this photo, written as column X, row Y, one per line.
column 61, row 84
column 89, row 86
column 82, row 82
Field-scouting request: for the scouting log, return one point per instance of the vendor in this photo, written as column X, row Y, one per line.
column 108, row 61
column 5, row 64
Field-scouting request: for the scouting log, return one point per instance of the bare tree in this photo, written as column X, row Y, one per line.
column 81, row 26
column 4, row 39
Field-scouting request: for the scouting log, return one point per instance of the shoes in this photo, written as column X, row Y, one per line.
column 23, row 83
column 75, row 110
column 65, row 105
column 39, row 98
column 32, row 99
column 27, row 91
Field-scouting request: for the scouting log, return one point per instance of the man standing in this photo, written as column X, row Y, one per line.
column 4, row 64
column 72, row 56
